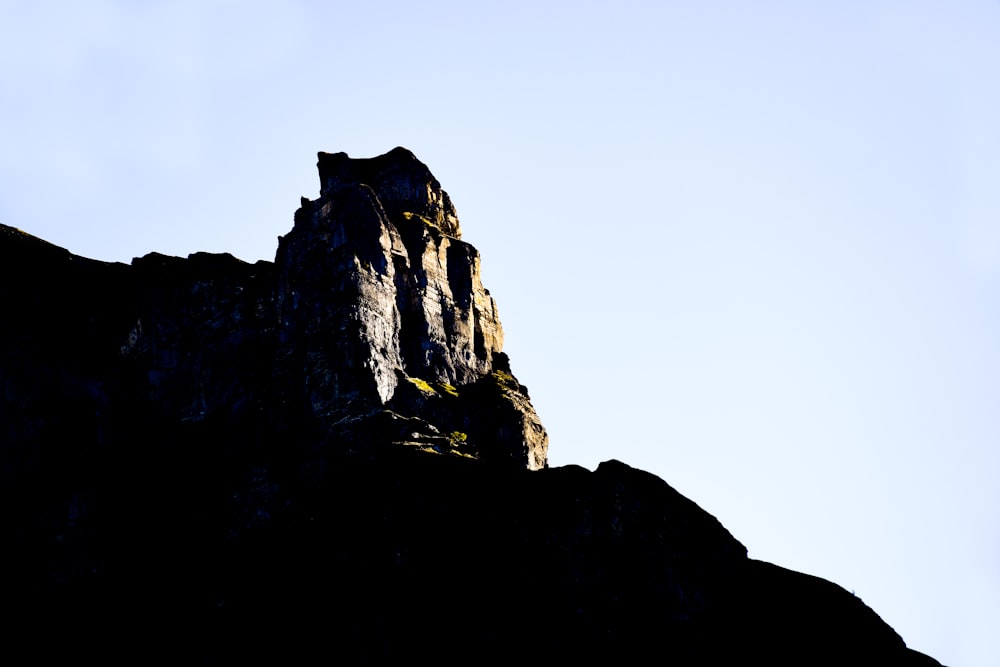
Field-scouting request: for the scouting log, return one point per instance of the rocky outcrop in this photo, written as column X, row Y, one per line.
column 328, row 457
column 373, row 305
column 387, row 309
column 375, row 275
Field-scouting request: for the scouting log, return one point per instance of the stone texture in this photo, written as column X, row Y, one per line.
column 376, row 275
column 388, row 311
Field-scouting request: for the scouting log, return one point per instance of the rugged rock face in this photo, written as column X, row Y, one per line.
column 327, row 457
column 373, row 310
column 387, row 310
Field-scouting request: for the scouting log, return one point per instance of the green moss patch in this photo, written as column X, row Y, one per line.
column 409, row 215
column 446, row 388
column 439, row 388
column 422, row 385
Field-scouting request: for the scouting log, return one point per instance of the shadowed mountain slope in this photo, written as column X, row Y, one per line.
column 328, row 458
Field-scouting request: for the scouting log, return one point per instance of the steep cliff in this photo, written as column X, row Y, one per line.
column 328, row 457
column 373, row 310
column 386, row 308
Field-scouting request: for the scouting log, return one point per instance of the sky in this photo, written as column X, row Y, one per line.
column 752, row 247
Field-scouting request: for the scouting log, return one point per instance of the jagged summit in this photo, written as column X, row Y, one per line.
column 402, row 183
column 372, row 312
column 388, row 307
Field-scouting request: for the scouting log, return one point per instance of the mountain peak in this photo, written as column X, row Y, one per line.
column 403, row 184
column 386, row 301
column 330, row 455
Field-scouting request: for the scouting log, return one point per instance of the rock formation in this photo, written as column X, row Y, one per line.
column 327, row 457
column 386, row 308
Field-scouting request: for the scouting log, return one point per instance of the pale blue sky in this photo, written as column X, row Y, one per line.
column 752, row 247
